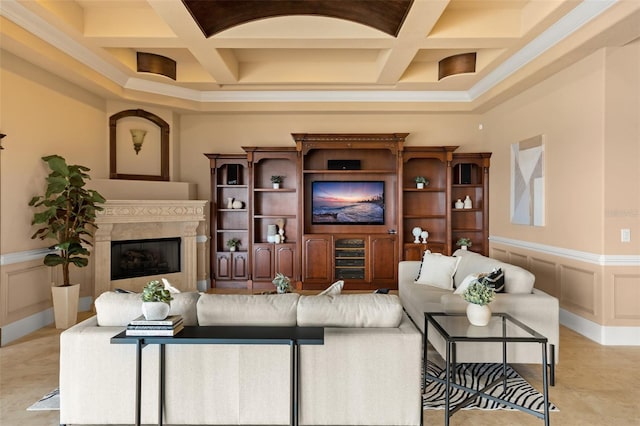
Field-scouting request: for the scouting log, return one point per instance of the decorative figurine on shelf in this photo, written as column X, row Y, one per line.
column 424, row 235
column 459, row 204
column 280, row 223
column 416, row 233
column 467, row 203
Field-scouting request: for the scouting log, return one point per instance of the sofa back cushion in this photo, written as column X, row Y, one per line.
column 350, row 310
column 248, row 309
column 516, row 279
column 118, row 309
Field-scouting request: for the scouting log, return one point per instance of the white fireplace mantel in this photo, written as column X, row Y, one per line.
column 146, row 219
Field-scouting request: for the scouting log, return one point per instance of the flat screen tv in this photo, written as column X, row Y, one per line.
column 347, row 203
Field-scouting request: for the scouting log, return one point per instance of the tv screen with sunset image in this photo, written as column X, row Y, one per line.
column 347, row 203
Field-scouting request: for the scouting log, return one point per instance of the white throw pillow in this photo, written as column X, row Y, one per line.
column 437, row 270
column 334, row 289
column 466, row 282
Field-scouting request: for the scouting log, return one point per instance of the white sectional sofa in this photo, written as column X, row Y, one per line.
column 521, row 300
column 366, row 373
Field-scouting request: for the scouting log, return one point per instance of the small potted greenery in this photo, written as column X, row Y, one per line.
column 282, row 283
column 276, row 181
column 463, row 243
column 479, row 295
column 156, row 301
column 421, row 181
column 233, row 244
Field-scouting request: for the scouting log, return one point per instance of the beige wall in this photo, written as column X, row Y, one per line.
column 588, row 115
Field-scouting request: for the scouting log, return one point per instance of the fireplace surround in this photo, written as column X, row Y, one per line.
column 125, row 220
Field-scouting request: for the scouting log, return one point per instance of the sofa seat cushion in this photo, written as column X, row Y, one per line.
column 516, row 279
column 248, row 309
column 118, row 309
column 350, row 310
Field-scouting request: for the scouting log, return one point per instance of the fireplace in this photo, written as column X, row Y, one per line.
column 129, row 223
column 141, row 258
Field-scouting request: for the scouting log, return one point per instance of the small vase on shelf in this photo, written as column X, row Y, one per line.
column 467, row 203
column 459, row 204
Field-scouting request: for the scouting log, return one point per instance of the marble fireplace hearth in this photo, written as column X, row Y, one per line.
column 123, row 220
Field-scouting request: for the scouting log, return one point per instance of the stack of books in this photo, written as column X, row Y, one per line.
column 169, row 326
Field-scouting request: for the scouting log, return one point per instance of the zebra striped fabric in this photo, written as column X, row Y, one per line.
column 476, row 376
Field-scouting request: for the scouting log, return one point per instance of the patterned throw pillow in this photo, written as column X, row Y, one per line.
column 495, row 279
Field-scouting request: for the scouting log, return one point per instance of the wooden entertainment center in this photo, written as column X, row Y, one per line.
column 361, row 241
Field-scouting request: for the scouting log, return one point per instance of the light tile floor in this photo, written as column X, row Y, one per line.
column 595, row 385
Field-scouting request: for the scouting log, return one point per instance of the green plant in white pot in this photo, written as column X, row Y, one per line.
column 156, row 301
column 463, row 243
column 479, row 295
column 66, row 213
column 282, row 283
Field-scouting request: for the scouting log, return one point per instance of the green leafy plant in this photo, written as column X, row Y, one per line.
column 422, row 179
column 233, row 242
column 464, row 242
column 66, row 213
column 479, row 293
column 154, row 291
column 282, row 283
column 276, row 179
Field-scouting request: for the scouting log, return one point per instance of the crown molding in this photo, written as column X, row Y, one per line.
column 583, row 13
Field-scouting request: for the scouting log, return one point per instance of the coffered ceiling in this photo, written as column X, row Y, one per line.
column 313, row 54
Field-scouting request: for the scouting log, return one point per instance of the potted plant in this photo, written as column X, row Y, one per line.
column 66, row 213
column 233, row 244
column 463, row 243
column 421, row 181
column 282, row 283
column 479, row 295
column 156, row 301
column 276, row 181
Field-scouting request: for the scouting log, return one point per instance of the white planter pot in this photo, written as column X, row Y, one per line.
column 276, row 186
column 420, row 185
column 65, row 305
column 155, row 310
column 478, row 314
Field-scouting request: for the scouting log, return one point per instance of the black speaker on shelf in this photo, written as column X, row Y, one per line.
column 233, row 174
column 465, row 174
column 343, row 164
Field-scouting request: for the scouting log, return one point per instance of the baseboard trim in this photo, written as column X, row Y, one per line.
column 24, row 326
column 604, row 335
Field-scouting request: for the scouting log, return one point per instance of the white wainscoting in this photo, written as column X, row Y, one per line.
column 593, row 289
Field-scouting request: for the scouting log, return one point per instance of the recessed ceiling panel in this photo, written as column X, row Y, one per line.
column 215, row 16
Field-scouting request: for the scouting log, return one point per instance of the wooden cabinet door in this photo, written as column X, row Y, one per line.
column 285, row 260
column 383, row 260
column 263, row 262
column 223, row 266
column 317, row 267
column 240, row 267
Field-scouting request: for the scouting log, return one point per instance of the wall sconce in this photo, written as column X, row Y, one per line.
column 138, row 138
